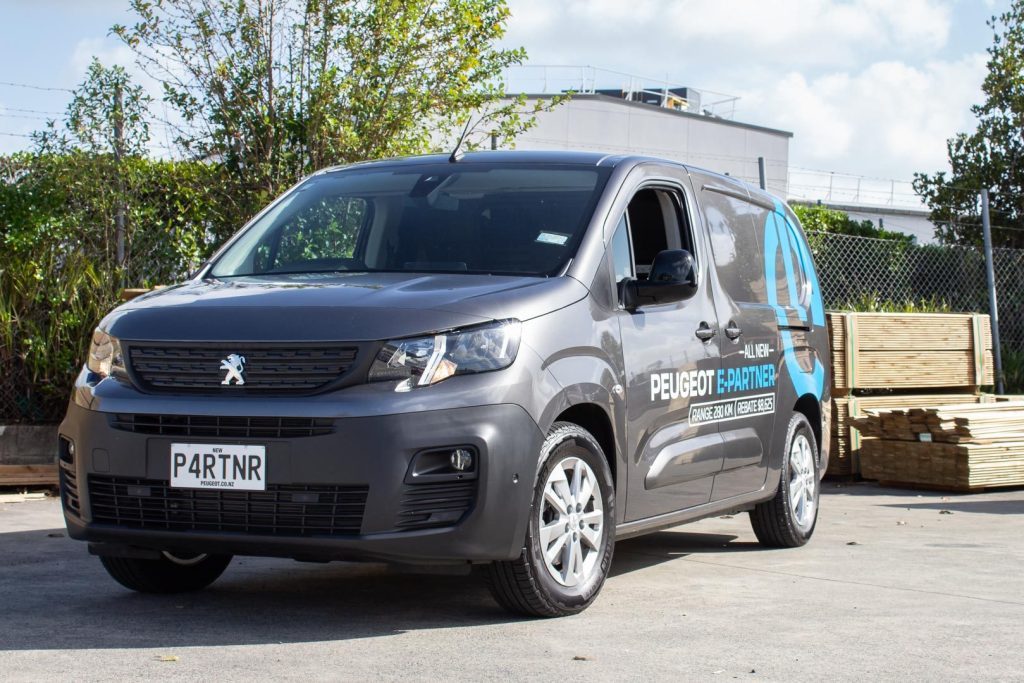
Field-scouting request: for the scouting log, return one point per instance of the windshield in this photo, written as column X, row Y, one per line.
column 473, row 218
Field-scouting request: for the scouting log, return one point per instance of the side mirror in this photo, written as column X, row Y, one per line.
column 673, row 278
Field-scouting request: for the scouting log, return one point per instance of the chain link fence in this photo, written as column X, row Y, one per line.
column 856, row 272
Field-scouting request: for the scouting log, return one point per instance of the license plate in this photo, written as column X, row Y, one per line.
column 218, row 466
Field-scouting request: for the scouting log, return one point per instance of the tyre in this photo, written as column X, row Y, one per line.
column 169, row 574
column 788, row 519
column 570, row 536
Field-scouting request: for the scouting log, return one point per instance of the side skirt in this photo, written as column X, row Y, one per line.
column 650, row 524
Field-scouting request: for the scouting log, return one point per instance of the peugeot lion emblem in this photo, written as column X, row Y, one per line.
column 234, row 365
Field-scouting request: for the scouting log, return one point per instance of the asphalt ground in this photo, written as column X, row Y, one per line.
column 895, row 585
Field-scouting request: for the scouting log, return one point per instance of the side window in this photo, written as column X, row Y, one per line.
column 736, row 246
column 622, row 255
column 657, row 221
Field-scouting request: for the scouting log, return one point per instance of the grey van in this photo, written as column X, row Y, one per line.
column 508, row 360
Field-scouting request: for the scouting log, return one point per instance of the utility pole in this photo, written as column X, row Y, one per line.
column 762, row 173
column 993, row 305
column 118, row 154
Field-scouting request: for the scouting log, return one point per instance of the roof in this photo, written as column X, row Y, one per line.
column 500, row 156
column 565, row 157
column 662, row 110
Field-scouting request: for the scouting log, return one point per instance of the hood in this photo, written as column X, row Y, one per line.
column 356, row 307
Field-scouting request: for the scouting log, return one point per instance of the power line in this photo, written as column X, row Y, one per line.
column 31, row 111
column 17, row 135
column 34, row 87
column 30, row 117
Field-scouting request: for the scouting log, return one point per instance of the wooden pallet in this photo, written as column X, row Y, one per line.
column 844, row 456
column 28, row 475
column 902, row 351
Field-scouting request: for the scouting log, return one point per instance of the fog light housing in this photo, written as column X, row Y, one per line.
column 66, row 450
column 461, row 460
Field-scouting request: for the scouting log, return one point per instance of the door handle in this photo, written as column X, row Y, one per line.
column 732, row 330
column 705, row 332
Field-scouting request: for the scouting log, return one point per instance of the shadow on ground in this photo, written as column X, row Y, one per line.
column 986, row 507
column 56, row 596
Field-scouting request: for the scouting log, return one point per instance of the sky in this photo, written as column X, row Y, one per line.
column 868, row 87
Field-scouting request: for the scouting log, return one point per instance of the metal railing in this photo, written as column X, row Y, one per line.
column 587, row 80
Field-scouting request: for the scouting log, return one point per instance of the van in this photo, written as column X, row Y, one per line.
column 508, row 360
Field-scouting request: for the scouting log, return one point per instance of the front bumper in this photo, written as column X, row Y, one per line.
column 372, row 453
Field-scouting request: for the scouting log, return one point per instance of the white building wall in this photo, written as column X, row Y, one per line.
column 607, row 124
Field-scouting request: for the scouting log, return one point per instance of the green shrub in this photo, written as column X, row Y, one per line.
column 59, row 272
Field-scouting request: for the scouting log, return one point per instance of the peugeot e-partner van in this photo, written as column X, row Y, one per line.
column 509, row 360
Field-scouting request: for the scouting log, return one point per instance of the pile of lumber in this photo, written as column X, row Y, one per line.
column 910, row 350
column 962, row 447
column 901, row 360
column 844, row 454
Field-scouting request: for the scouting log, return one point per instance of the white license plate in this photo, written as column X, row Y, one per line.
column 218, row 466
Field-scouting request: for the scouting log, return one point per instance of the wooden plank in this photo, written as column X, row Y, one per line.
column 28, row 475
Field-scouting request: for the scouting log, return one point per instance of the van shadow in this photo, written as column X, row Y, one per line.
column 664, row 546
column 55, row 596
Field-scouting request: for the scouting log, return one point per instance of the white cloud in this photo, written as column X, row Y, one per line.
column 867, row 86
column 106, row 50
column 665, row 36
column 888, row 115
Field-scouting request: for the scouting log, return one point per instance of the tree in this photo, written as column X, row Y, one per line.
column 990, row 157
column 823, row 219
column 274, row 89
column 108, row 114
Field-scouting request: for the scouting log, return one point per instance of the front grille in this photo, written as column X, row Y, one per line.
column 281, row 510
column 192, row 368
column 433, row 505
column 223, row 427
column 69, row 489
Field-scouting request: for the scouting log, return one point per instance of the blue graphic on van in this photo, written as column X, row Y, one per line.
column 780, row 234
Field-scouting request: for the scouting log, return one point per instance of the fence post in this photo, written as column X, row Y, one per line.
column 118, row 155
column 993, row 306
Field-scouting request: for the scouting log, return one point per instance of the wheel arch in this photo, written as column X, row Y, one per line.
column 810, row 407
column 595, row 419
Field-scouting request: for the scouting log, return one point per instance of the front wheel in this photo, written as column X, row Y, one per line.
column 570, row 536
column 169, row 574
column 788, row 519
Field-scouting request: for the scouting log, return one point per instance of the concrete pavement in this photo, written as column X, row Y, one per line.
column 894, row 585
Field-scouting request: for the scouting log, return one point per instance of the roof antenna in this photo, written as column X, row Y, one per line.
column 457, row 152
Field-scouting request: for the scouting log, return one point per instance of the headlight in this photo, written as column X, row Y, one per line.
column 104, row 354
column 428, row 360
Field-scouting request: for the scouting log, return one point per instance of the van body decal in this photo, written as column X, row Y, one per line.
column 780, row 233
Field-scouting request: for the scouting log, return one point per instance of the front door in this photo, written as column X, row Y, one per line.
column 671, row 358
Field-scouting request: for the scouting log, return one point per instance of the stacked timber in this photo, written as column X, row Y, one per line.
column 901, row 360
column 844, row 455
column 910, row 351
column 964, row 447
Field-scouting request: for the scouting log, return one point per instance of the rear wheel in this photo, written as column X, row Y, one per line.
column 570, row 534
column 788, row 519
column 172, row 573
